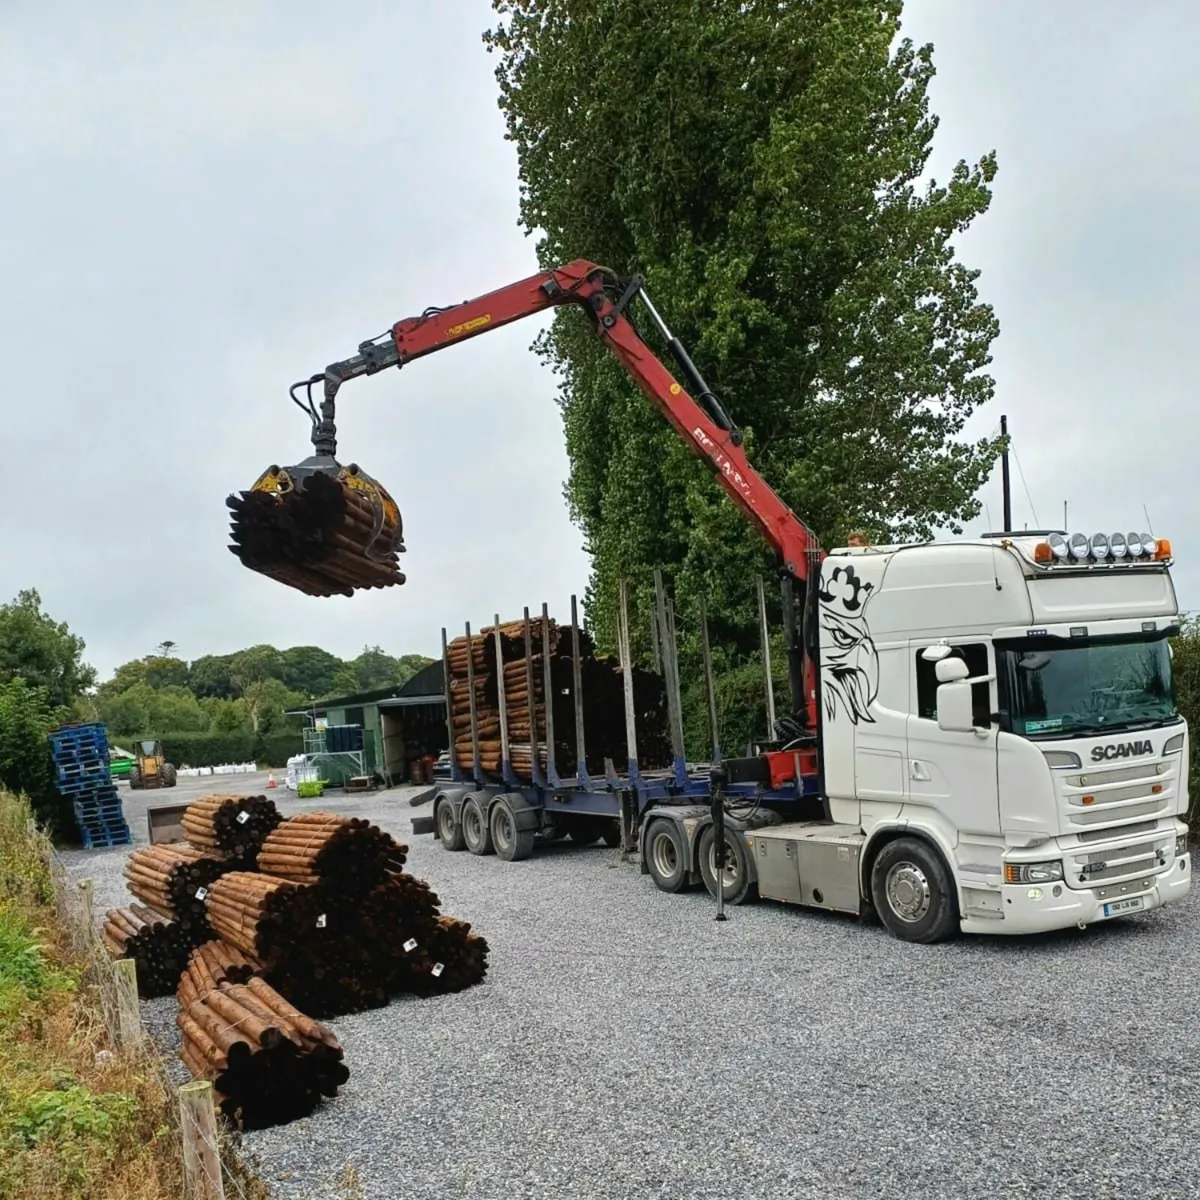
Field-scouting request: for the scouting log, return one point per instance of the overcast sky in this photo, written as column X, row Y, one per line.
column 204, row 202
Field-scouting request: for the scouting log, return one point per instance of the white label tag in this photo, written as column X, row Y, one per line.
column 202, row 893
column 243, row 817
column 438, row 968
column 321, row 921
column 410, row 945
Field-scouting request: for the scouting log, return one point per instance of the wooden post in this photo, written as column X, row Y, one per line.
column 87, row 919
column 129, row 1017
column 201, row 1160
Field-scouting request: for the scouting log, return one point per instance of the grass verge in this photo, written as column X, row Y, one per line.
column 77, row 1120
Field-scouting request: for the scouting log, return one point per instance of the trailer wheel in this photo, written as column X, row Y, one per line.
column 449, row 831
column 475, row 831
column 511, row 844
column 666, row 857
column 737, row 886
column 913, row 893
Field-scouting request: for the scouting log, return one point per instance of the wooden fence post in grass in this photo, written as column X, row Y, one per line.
column 129, row 1017
column 201, row 1160
column 86, row 917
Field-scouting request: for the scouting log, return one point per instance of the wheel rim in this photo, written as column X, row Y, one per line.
column 664, row 855
column 472, row 824
column 502, row 829
column 730, row 875
column 908, row 891
column 445, row 822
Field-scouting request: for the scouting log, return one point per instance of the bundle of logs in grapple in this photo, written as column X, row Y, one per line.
column 269, row 1063
column 319, row 533
column 524, row 681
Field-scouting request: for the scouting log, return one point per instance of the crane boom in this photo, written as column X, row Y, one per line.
column 700, row 421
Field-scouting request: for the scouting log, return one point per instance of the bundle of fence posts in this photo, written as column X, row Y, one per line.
column 529, row 660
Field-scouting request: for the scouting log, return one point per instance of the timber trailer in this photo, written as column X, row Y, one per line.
column 983, row 733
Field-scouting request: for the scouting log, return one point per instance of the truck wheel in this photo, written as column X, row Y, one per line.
column 913, row 893
column 512, row 844
column 737, row 886
column 170, row 779
column 666, row 857
column 135, row 777
column 449, row 831
column 475, row 831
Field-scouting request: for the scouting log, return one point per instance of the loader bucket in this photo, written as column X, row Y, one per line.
column 319, row 527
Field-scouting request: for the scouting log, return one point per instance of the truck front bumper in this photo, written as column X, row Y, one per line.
column 1038, row 910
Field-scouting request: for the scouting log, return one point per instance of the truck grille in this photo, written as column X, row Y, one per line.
column 1145, row 857
column 1124, row 796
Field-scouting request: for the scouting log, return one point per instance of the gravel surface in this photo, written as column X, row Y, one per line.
column 626, row 1045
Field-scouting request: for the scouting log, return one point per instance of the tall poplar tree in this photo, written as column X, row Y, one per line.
column 762, row 164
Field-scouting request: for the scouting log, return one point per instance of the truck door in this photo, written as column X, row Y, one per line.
column 954, row 773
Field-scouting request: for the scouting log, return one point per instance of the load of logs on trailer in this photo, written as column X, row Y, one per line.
column 284, row 921
column 525, row 680
column 323, row 534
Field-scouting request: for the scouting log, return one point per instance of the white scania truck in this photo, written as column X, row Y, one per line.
column 1000, row 744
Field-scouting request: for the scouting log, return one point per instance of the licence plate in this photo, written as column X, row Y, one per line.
column 1117, row 907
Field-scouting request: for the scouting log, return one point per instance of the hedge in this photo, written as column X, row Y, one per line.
column 213, row 749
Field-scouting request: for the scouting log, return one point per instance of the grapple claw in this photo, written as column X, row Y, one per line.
column 319, row 527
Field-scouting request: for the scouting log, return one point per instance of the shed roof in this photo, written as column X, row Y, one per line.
column 424, row 687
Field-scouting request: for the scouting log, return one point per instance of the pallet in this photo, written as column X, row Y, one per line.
column 101, row 783
column 103, row 838
column 82, row 768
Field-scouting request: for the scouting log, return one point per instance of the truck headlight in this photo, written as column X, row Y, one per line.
column 1181, row 845
column 1042, row 872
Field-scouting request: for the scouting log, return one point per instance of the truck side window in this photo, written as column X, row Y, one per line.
column 976, row 656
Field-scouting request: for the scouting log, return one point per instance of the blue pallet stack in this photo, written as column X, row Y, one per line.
column 83, row 778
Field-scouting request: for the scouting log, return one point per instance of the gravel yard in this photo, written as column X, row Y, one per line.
column 626, row 1045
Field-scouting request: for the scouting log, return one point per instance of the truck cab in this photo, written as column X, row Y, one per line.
column 999, row 733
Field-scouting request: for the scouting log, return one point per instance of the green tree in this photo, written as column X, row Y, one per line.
column 26, row 716
column 212, row 675
column 374, row 668
column 42, row 651
column 760, row 163
column 312, row 671
column 152, row 670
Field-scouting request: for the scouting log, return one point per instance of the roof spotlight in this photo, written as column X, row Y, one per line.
column 1099, row 546
column 1118, row 546
column 1134, row 542
column 1079, row 546
column 1058, row 545
column 1149, row 544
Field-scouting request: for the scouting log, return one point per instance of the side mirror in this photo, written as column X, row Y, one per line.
column 955, row 710
column 951, row 670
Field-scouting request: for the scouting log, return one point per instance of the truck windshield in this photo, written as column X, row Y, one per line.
column 1052, row 688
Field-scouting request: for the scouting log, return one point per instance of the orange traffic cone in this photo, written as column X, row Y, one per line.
column 271, row 779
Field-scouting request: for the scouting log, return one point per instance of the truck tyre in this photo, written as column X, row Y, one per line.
column 612, row 834
column 170, row 779
column 511, row 844
column 913, row 893
column 739, row 889
column 449, row 831
column 666, row 856
column 135, row 778
column 475, row 831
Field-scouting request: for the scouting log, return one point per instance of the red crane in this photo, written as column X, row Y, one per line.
column 700, row 420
